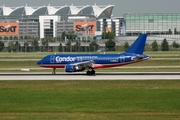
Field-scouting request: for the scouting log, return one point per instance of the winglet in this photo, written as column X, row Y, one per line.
column 138, row 46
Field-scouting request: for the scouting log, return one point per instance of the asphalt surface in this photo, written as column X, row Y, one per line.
column 98, row 76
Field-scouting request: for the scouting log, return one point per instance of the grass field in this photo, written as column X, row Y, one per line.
column 90, row 100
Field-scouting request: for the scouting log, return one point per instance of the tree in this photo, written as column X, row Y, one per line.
column 63, row 36
column 68, row 46
column 17, row 46
column 49, row 38
column 154, row 46
column 170, row 32
column 26, row 46
column 94, row 38
column 11, row 47
column 110, row 45
column 93, row 46
column 108, row 35
column 1, row 46
column 25, row 37
column 35, row 45
column 60, row 47
column 45, row 45
column 111, row 35
column 164, row 45
column 126, row 46
column 103, row 35
column 77, row 46
column 175, row 31
column 71, row 35
column 175, row 45
column 58, row 38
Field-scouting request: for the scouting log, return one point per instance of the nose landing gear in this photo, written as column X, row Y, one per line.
column 54, row 71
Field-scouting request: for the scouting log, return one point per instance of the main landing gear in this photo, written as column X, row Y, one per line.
column 54, row 71
column 92, row 72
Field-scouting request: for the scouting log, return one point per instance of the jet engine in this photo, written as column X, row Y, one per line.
column 139, row 57
column 73, row 68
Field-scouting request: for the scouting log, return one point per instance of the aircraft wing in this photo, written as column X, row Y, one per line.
column 85, row 64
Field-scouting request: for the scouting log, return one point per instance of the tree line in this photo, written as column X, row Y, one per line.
column 110, row 45
column 68, row 38
column 164, row 46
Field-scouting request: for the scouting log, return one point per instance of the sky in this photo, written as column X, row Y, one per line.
column 120, row 6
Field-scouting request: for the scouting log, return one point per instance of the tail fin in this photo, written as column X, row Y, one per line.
column 138, row 45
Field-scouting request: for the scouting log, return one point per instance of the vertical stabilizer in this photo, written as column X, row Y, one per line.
column 138, row 45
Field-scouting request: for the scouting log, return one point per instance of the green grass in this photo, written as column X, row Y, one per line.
column 97, row 100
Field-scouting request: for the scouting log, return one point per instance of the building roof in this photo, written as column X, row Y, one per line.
column 95, row 10
column 5, row 10
column 22, row 10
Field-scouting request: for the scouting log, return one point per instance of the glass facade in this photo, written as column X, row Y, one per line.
column 63, row 26
column 151, row 23
column 29, row 28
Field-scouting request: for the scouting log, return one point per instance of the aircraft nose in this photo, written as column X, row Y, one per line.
column 39, row 62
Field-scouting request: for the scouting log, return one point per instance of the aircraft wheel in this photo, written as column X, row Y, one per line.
column 88, row 72
column 93, row 72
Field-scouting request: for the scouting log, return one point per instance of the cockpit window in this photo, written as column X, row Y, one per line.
column 44, row 59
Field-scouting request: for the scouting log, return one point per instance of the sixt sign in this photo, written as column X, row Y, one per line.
column 85, row 27
column 9, row 29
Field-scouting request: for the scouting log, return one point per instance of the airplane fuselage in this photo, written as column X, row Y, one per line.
column 99, row 60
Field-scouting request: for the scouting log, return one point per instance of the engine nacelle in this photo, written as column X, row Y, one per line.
column 137, row 58
column 72, row 68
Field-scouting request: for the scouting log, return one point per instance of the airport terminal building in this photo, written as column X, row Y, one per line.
column 89, row 20
column 151, row 23
column 51, row 21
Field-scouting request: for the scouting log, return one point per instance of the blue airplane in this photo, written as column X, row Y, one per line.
column 89, row 62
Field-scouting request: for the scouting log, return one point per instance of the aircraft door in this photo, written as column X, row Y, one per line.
column 79, row 59
column 52, row 59
column 122, row 58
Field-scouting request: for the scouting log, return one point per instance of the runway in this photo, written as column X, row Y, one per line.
column 98, row 76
